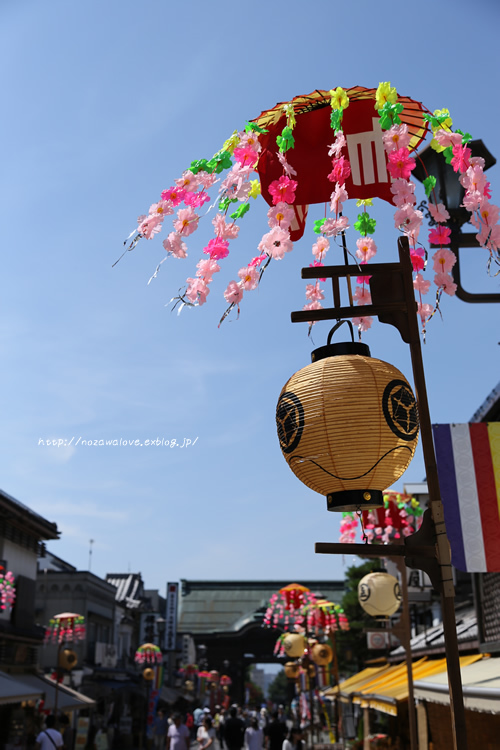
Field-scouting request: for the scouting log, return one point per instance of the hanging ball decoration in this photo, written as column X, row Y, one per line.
column 348, row 425
column 294, row 644
column 292, row 670
column 321, row 654
column 68, row 659
column 379, row 594
column 148, row 674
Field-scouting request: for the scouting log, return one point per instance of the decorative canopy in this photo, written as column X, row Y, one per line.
column 66, row 627
column 325, row 147
column 296, row 609
column 400, row 517
column 148, row 653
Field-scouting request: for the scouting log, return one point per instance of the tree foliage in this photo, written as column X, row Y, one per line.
column 278, row 689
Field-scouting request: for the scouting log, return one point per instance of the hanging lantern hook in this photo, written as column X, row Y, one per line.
column 337, row 326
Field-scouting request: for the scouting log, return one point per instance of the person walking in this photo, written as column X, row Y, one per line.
column 275, row 733
column 234, row 730
column 205, row 734
column 254, row 736
column 49, row 738
column 178, row 737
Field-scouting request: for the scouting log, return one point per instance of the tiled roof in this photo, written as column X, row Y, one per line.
column 129, row 588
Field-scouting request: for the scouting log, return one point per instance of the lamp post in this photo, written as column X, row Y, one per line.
column 392, row 293
column 450, row 192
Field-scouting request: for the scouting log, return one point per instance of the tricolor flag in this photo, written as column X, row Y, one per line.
column 468, row 461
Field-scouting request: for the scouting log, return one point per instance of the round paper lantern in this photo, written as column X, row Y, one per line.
column 148, row 674
column 68, row 659
column 292, row 670
column 294, row 644
column 321, row 654
column 348, row 425
column 379, row 594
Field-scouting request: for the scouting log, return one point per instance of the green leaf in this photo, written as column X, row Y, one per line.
column 226, row 202
column 318, row 225
column 429, row 184
column 285, row 140
column 365, row 225
column 241, row 211
column 466, row 137
column 448, row 154
column 336, row 119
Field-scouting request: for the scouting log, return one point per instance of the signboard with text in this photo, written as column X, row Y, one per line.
column 171, row 616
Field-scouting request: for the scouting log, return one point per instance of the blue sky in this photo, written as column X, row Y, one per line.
column 104, row 105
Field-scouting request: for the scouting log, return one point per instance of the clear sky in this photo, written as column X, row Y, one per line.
column 105, row 104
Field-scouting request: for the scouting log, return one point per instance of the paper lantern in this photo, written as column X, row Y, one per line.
column 292, row 670
column 148, row 674
column 321, row 654
column 294, row 644
column 68, row 659
column 379, row 594
column 348, row 425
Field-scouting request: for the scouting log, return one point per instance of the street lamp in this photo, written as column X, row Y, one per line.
column 450, row 192
column 393, row 302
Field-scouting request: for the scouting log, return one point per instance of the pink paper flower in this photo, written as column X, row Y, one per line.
column 249, row 277
column 223, row 229
column 400, row 164
column 439, row 213
column 217, row 248
column 363, row 323
column 288, row 169
column 276, row 243
column 337, row 146
column 173, row 194
column 317, row 264
column 246, row 156
column 233, row 293
column 150, row 226
column 188, row 181
column 174, row 245
column 207, row 268
column 424, row 310
column 187, row 221
column 320, row 247
column 440, row 235
column 206, row 179
column 363, row 279
column 445, row 282
column 444, row 260
column 362, row 296
column 474, row 179
column 280, row 215
column 250, row 140
column 257, row 260
column 417, row 261
column 396, row 137
column 333, row 227
column 489, row 213
column 461, row 156
column 402, row 191
column 196, row 199
column 162, row 208
column 446, row 139
column 366, row 249
column 421, row 284
column 313, row 292
column 408, row 219
column 197, row 291
column 337, row 198
column 283, row 190
column 472, row 200
column 341, row 170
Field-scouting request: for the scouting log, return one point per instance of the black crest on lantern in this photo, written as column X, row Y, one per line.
column 400, row 409
column 290, row 421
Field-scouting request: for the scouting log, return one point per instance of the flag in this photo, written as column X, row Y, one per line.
column 468, row 462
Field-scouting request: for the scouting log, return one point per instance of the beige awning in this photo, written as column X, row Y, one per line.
column 12, row 690
column 67, row 699
column 481, row 686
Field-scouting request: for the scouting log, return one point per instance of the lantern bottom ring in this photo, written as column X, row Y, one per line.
column 353, row 500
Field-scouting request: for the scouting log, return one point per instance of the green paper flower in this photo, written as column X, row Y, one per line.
column 389, row 115
column 466, row 137
column 252, row 126
column 364, row 225
column 241, row 211
column 429, row 184
column 198, row 166
column 226, row 202
column 336, row 119
column 318, row 225
column 285, row 140
column 448, row 154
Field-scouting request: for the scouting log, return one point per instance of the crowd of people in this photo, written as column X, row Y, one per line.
column 236, row 729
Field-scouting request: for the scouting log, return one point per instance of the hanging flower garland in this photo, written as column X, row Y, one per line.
column 286, row 607
column 66, row 627
column 324, row 617
column 251, row 150
column 7, row 590
column 148, row 653
column 400, row 517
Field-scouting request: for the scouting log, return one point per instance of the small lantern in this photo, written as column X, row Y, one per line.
column 148, row 674
column 68, row 659
column 321, row 654
column 294, row 644
column 348, row 425
column 292, row 670
column 379, row 594
column 214, row 676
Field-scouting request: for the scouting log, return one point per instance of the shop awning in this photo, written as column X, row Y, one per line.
column 67, row 699
column 384, row 689
column 481, row 686
column 13, row 690
column 356, row 682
